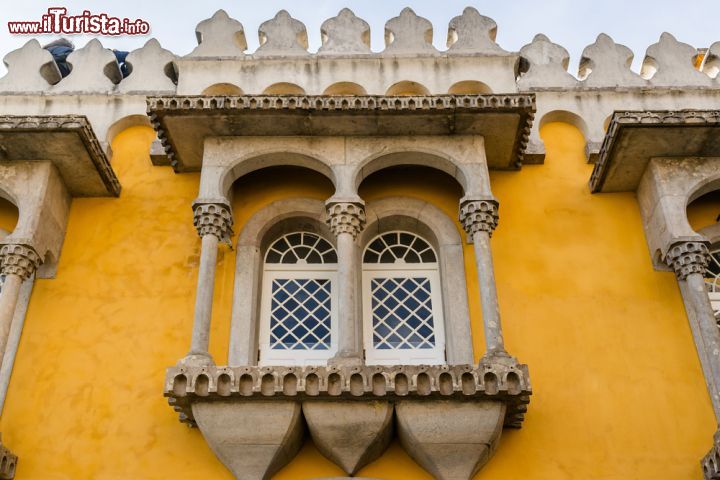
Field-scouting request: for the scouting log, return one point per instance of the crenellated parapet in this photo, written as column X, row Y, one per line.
column 408, row 63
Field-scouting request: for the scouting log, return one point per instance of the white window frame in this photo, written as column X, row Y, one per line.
column 397, row 356
column 273, row 272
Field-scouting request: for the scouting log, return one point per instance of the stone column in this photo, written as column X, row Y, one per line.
column 213, row 221
column 479, row 217
column 346, row 220
column 18, row 263
column 689, row 260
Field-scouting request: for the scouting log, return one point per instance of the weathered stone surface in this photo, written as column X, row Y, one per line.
column 18, row 259
column 94, row 70
column 607, row 64
column 345, row 34
column 31, row 68
column 152, row 69
column 408, row 34
column 282, row 36
column 544, row 65
column 8, row 463
column 213, row 218
column 351, row 434
column 506, row 382
column 711, row 461
column 450, row 440
column 649, row 134
column 473, row 33
column 251, row 453
column 219, row 36
column 672, row 64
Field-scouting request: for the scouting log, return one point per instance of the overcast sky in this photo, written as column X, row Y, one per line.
column 571, row 23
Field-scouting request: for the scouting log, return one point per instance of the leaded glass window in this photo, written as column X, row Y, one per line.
column 298, row 311
column 402, row 303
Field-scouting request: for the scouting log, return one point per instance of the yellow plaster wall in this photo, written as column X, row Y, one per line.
column 618, row 389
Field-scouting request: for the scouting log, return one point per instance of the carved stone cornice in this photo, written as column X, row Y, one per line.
column 479, row 215
column 686, row 258
column 213, row 218
column 19, row 259
column 504, row 381
column 346, row 217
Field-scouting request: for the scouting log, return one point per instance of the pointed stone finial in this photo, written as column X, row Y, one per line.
column 31, row 68
column 473, row 33
column 544, row 64
column 345, row 34
column 607, row 64
column 152, row 69
column 711, row 64
column 283, row 35
column 673, row 64
column 94, row 69
column 408, row 33
column 219, row 36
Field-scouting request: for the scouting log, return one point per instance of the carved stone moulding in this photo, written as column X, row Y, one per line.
column 8, row 463
column 448, row 418
column 183, row 122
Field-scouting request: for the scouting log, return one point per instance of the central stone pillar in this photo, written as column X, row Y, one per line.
column 346, row 220
column 213, row 221
column 479, row 217
column 689, row 260
column 18, row 263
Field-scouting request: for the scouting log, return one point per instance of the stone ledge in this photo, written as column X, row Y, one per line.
column 69, row 142
column 507, row 382
column 633, row 138
column 183, row 122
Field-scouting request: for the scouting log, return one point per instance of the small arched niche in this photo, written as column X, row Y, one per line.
column 704, row 211
column 9, row 215
column 407, row 88
column 565, row 117
column 345, row 88
column 222, row 89
column 284, row 88
column 469, row 87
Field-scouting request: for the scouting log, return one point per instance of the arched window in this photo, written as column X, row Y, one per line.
column 403, row 318
column 712, row 280
column 298, row 323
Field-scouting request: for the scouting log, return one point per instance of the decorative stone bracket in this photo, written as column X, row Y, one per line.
column 449, row 418
column 8, row 463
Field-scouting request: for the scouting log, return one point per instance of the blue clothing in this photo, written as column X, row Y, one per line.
column 120, row 57
column 60, row 54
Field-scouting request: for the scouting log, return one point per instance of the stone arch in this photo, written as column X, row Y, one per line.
column 469, row 87
column 124, row 123
column 284, row 88
column 222, row 89
column 260, row 229
column 259, row 160
column 422, row 158
column 345, row 88
column 431, row 223
column 407, row 87
column 565, row 117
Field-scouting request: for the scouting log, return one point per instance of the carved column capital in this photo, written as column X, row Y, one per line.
column 686, row 258
column 213, row 218
column 480, row 215
column 18, row 259
column 346, row 217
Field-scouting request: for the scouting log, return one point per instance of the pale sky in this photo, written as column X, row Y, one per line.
column 573, row 24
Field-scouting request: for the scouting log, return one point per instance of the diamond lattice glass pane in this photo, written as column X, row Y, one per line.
column 300, row 314
column 402, row 313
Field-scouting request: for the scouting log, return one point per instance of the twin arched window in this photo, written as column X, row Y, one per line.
column 402, row 308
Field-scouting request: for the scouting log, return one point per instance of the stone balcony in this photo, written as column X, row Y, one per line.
column 448, row 418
